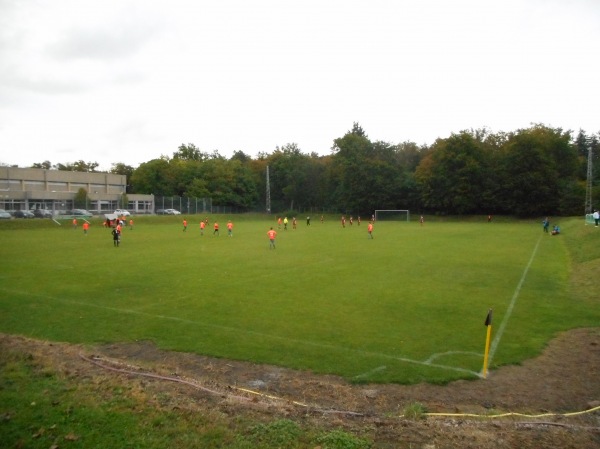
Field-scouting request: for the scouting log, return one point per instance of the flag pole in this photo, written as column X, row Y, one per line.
column 488, row 324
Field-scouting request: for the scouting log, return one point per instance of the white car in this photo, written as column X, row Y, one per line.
column 172, row 212
column 122, row 213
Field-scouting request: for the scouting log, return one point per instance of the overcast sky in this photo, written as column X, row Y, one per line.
column 128, row 81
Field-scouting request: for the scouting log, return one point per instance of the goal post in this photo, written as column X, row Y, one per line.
column 392, row 215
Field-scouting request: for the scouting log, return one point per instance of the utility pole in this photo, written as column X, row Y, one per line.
column 588, row 189
column 268, row 192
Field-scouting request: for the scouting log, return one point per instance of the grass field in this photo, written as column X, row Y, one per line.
column 407, row 306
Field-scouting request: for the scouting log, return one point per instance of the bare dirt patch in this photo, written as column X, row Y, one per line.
column 564, row 379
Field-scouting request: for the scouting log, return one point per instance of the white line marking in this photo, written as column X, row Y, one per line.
column 240, row 331
column 442, row 354
column 508, row 313
column 369, row 373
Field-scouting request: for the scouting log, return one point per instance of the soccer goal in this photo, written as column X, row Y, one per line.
column 392, row 215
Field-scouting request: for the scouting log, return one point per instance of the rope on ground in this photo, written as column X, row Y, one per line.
column 154, row 376
column 329, row 411
column 214, row 392
column 505, row 415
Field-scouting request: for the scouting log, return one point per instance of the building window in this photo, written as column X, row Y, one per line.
column 58, row 186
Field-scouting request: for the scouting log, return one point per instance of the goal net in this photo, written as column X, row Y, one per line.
column 392, row 215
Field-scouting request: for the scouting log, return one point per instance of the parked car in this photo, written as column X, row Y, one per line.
column 172, row 212
column 4, row 215
column 23, row 214
column 42, row 213
column 122, row 212
column 79, row 213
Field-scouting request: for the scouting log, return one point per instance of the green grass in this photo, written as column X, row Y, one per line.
column 407, row 306
column 42, row 409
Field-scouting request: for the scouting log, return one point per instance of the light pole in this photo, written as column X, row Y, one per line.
column 588, row 189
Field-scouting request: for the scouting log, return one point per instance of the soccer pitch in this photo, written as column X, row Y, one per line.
column 407, row 306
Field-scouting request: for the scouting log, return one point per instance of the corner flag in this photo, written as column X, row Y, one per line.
column 488, row 324
column 488, row 320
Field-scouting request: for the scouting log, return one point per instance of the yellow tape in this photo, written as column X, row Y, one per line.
column 504, row 415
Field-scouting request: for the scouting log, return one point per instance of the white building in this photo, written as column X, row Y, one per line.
column 55, row 190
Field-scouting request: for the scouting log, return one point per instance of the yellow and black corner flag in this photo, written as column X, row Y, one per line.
column 488, row 324
column 488, row 320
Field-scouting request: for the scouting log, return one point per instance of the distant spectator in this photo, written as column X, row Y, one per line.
column 546, row 224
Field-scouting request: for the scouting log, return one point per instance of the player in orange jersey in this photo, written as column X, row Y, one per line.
column 272, row 234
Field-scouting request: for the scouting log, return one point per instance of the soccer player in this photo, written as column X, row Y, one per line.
column 285, row 222
column 294, row 223
column 74, row 223
column 86, row 226
column 343, row 221
column 230, row 228
column 202, row 226
column 116, row 237
column 131, row 224
column 272, row 234
column 422, row 220
column 184, row 225
column 307, row 221
column 216, row 229
column 278, row 222
column 370, row 229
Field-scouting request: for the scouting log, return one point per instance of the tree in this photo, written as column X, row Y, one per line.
column 80, row 165
column 46, row 165
column 288, row 171
column 198, row 188
column 528, row 178
column 357, row 130
column 452, row 178
column 241, row 156
column 229, row 183
column 348, row 169
column 155, row 176
column 119, row 168
column 189, row 152
column 81, row 199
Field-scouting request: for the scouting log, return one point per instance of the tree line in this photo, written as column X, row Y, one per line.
column 529, row 172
